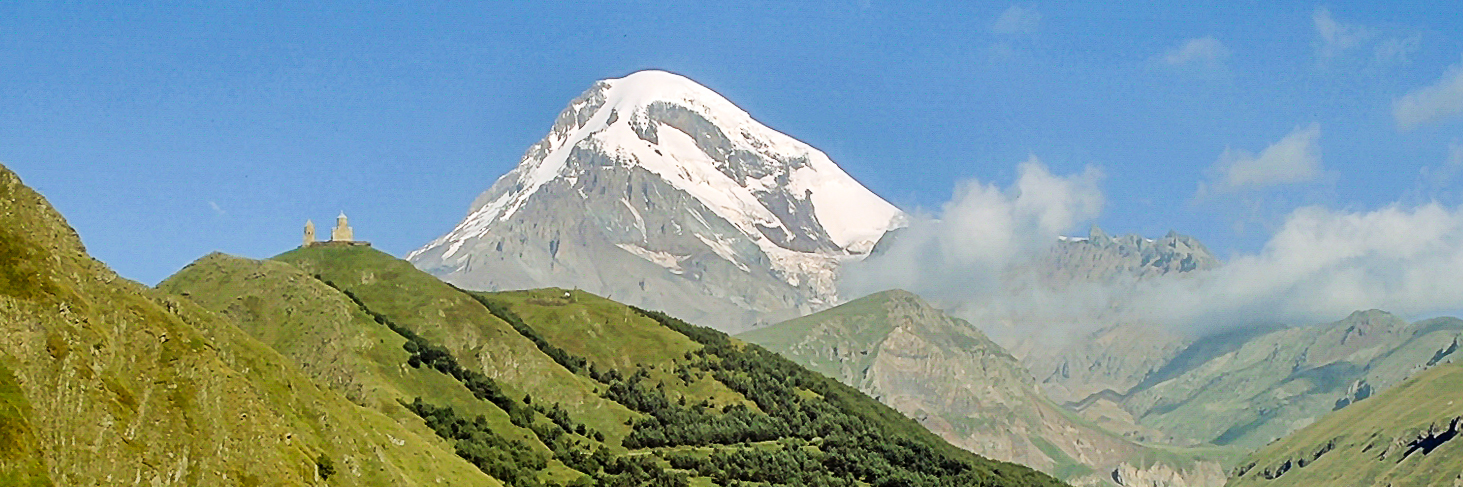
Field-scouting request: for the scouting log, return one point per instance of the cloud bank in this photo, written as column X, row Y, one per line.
column 1294, row 159
column 1337, row 37
column 1320, row 265
column 1432, row 103
column 960, row 254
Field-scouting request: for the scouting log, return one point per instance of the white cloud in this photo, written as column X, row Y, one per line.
column 1433, row 103
column 1397, row 50
column 978, row 234
column 1337, row 37
column 1319, row 265
column 1436, row 182
column 216, row 209
column 1294, row 159
column 1017, row 20
column 1204, row 52
column 1323, row 264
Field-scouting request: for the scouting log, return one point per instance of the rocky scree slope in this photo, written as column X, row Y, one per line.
column 657, row 191
column 103, row 380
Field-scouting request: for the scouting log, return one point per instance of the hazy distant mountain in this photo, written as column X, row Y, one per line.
column 1099, row 258
column 658, row 191
column 945, row 373
column 1119, row 354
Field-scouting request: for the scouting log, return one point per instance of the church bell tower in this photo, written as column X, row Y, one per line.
column 309, row 233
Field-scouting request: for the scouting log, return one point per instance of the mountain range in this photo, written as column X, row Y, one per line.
column 572, row 330
column 661, row 192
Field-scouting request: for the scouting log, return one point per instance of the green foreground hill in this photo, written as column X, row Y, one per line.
column 1405, row 436
column 105, row 381
column 559, row 386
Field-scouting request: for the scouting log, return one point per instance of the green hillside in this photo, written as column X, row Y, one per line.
column 596, row 392
column 104, row 381
column 1260, row 389
column 1405, row 436
column 333, row 340
column 961, row 385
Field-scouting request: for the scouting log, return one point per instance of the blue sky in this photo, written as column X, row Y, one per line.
column 166, row 132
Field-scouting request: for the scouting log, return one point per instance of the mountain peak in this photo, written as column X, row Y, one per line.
column 655, row 168
column 643, row 88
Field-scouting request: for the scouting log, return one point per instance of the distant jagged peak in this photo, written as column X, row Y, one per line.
column 1100, row 256
column 1171, row 240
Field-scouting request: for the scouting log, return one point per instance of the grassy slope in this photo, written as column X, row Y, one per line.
column 119, row 382
column 324, row 332
column 861, row 330
column 611, row 335
column 1278, row 382
column 22, row 462
column 631, row 345
column 445, row 315
column 1367, row 442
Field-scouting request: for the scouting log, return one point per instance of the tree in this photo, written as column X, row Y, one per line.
column 324, row 466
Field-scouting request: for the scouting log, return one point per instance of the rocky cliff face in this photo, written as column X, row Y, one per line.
column 656, row 190
column 1163, row 475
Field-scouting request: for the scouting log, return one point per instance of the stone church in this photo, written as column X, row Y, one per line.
column 341, row 235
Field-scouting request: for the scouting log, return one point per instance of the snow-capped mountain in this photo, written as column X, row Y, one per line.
column 656, row 190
